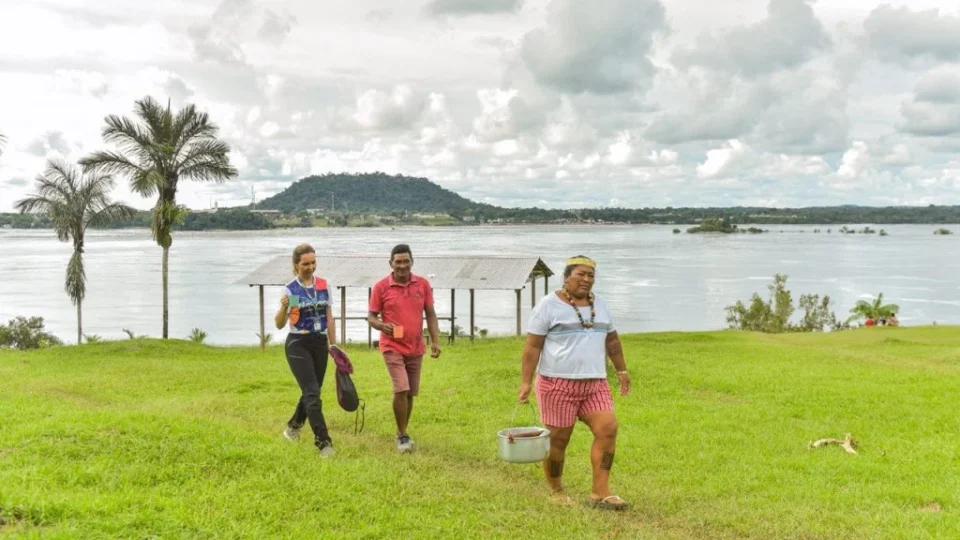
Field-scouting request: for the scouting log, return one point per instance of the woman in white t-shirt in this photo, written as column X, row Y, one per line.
column 569, row 337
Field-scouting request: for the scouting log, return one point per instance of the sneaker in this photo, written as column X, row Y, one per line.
column 404, row 444
column 326, row 449
column 292, row 434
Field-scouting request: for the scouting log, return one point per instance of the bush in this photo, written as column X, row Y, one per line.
column 24, row 333
column 197, row 335
column 773, row 316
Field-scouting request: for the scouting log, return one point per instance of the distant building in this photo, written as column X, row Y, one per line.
column 269, row 212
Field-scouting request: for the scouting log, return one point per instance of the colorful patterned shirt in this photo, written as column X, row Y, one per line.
column 311, row 303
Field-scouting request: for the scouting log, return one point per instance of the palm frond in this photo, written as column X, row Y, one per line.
column 34, row 205
column 147, row 182
column 111, row 163
column 110, row 213
column 129, row 136
column 155, row 117
column 190, row 127
column 76, row 280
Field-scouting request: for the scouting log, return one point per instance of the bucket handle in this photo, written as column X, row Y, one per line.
column 533, row 410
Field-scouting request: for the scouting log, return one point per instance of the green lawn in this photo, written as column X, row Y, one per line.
column 144, row 439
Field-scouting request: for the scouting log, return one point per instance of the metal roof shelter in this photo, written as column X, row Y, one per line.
column 472, row 272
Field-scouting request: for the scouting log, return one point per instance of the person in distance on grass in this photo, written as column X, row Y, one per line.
column 307, row 306
column 569, row 337
column 398, row 303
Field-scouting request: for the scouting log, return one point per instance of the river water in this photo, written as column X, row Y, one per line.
column 653, row 280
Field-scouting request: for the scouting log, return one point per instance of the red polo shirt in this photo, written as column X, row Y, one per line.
column 402, row 304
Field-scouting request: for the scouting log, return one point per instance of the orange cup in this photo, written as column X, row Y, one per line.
column 398, row 332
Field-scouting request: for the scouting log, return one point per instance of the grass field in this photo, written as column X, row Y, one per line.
column 150, row 439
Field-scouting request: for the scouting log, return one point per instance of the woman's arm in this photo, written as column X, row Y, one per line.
column 331, row 327
column 615, row 352
column 531, row 357
column 280, row 318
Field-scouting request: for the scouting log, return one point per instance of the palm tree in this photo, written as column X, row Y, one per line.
column 156, row 151
column 74, row 201
column 3, row 141
column 872, row 310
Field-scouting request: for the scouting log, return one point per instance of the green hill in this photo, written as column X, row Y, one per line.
column 374, row 192
column 150, row 439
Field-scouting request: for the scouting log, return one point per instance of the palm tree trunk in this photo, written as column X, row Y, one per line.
column 166, row 311
column 79, row 322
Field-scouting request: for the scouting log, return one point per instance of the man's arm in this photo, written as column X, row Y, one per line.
column 373, row 319
column 433, row 325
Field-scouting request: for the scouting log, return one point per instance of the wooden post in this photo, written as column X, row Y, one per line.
column 263, row 342
column 472, row 324
column 453, row 315
column 546, row 285
column 369, row 328
column 533, row 291
column 518, row 311
column 343, row 315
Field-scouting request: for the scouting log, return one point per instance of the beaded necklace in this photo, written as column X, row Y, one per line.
column 593, row 313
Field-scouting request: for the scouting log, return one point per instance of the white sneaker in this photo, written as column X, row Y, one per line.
column 326, row 449
column 404, row 444
column 292, row 434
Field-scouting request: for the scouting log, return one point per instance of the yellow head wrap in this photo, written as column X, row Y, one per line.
column 581, row 261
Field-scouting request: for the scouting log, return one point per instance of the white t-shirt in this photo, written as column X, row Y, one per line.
column 571, row 351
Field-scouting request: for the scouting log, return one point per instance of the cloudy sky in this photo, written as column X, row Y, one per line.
column 555, row 103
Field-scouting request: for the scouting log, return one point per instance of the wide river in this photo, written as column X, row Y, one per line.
column 654, row 280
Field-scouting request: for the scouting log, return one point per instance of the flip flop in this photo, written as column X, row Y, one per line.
column 610, row 502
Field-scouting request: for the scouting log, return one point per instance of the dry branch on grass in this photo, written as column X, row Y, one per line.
column 848, row 444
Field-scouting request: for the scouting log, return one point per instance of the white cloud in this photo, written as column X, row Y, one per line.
column 641, row 102
column 598, row 46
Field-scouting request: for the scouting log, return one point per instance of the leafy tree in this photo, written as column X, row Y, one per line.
column 24, row 333
column 872, row 310
column 720, row 225
column 773, row 315
column 74, row 202
column 156, row 151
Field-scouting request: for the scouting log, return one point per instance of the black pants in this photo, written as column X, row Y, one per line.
column 307, row 356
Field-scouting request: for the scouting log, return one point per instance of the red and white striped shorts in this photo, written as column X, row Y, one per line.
column 562, row 401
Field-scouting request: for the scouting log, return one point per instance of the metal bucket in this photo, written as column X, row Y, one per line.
column 523, row 449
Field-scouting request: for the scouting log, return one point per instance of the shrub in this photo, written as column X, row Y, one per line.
column 24, row 333
column 773, row 316
column 197, row 335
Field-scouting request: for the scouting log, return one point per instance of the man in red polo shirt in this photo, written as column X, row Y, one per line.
column 397, row 305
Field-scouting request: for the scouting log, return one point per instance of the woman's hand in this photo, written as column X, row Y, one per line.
column 624, row 379
column 285, row 302
column 524, row 393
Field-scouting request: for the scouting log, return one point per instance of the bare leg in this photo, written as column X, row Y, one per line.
column 603, row 424
column 409, row 408
column 402, row 406
column 553, row 465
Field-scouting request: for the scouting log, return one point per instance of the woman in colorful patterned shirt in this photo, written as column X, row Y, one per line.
column 569, row 338
column 307, row 306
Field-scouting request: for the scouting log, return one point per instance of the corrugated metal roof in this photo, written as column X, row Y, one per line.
column 480, row 272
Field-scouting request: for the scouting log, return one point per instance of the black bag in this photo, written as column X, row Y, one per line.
column 346, row 392
column 349, row 400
